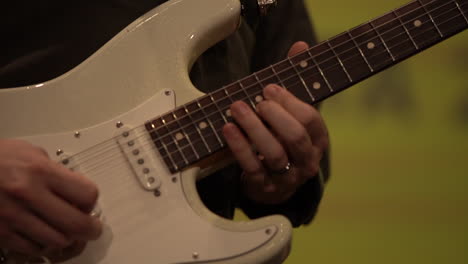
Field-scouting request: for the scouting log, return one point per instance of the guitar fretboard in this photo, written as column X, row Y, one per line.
column 193, row 131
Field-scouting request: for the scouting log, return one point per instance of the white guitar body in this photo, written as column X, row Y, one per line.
column 152, row 216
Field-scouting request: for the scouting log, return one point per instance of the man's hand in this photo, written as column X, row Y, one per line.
column 296, row 135
column 44, row 207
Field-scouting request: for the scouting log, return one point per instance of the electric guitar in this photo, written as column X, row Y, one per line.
column 129, row 118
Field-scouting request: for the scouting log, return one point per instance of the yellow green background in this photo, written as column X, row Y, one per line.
column 398, row 192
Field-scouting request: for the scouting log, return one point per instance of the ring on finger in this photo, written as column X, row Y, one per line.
column 282, row 171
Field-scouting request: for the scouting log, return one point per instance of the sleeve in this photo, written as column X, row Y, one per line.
column 301, row 208
column 286, row 24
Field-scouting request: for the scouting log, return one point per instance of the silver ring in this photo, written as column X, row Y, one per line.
column 281, row 171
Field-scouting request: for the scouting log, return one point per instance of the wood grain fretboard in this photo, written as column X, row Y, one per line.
column 193, row 131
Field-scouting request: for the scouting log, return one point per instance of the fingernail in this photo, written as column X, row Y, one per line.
column 242, row 108
column 272, row 90
column 230, row 131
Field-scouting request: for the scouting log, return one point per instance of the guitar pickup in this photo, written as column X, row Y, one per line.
column 133, row 143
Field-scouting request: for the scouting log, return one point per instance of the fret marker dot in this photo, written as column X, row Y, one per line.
column 202, row 125
column 228, row 112
column 179, row 136
column 370, row 45
column 316, row 85
column 417, row 23
column 303, row 64
column 258, row 98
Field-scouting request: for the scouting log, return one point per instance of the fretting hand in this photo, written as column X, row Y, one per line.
column 288, row 148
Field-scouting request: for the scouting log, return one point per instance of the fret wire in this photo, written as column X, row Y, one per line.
column 391, row 21
column 320, row 70
column 176, row 142
column 107, row 141
column 461, row 11
column 198, row 130
column 276, row 75
column 360, row 51
column 340, row 62
column 211, row 125
column 228, row 96
column 165, row 147
column 309, row 93
column 382, row 40
column 406, row 30
column 374, row 29
column 297, row 73
column 219, row 109
column 259, row 82
column 211, row 134
column 302, row 80
column 431, row 39
column 353, row 39
column 361, row 34
column 248, row 97
column 430, row 16
column 257, row 79
column 186, row 136
column 83, row 152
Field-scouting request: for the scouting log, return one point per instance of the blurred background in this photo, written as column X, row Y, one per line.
column 399, row 156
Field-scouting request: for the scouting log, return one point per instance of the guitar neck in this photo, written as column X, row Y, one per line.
column 193, row 131
column 361, row 52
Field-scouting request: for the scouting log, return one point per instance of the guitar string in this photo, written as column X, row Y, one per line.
column 333, row 65
column 296, row 83
column 328, row 50
column 213, row 102
column 244, row 89
column 211, row 134
column 289, row 68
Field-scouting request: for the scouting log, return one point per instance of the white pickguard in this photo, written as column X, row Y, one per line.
column 140, row 74
column 135, row 219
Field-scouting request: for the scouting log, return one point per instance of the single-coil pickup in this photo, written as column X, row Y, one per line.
column 133, row 144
